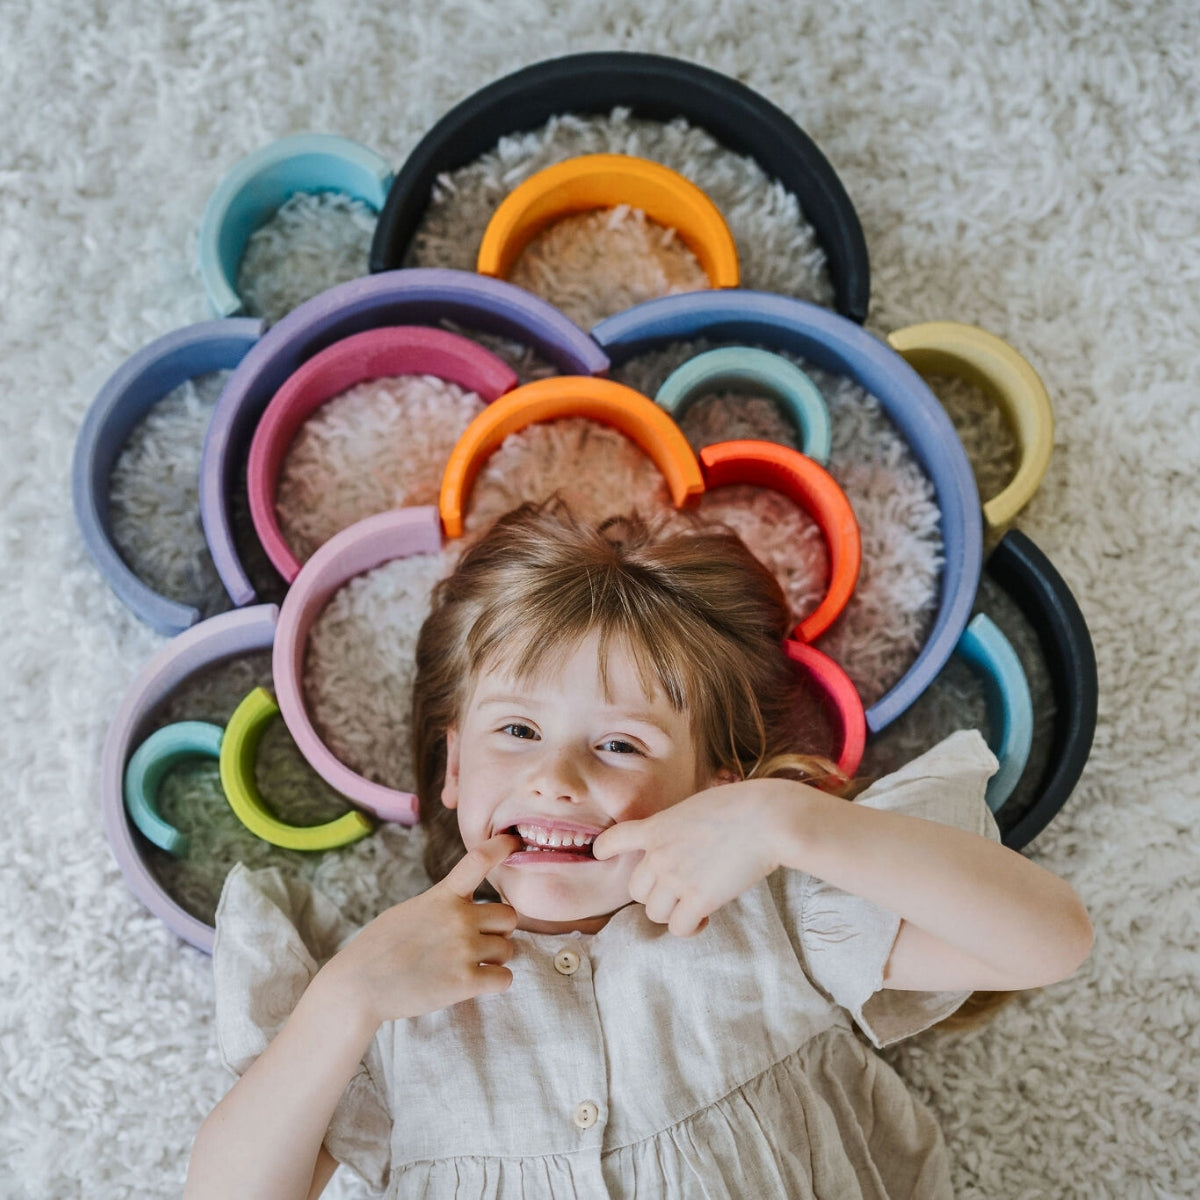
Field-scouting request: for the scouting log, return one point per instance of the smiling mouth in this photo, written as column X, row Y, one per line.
column 539, row 844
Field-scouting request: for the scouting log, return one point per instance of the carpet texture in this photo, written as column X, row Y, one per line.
column 1030, row 169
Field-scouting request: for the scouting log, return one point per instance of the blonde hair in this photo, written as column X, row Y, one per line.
column 703, row 619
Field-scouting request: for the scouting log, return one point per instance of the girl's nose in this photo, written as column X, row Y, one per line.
column 557, row 777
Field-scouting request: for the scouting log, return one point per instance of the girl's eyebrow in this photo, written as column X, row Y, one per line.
column 505, row 700
column 623, row 717
column 619, row 716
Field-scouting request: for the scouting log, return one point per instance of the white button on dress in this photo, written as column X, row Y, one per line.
column 566, row 962
column 586, row 1114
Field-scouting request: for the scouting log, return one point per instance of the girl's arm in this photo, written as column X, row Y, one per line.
column 263, row 1140
column 975, row 915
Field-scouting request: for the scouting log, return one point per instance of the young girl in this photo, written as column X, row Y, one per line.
column 661, row 998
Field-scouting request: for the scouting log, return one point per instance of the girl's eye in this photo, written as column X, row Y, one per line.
column 618, row 746
column 517, row 730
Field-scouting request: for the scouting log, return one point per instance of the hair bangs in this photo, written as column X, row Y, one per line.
column 536, row 635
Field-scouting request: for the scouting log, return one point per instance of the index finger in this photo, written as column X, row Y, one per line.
column 617, row 839
column 471, row 870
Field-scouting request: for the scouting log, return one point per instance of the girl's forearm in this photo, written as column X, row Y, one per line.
column 990, row 902
column 263, row 1138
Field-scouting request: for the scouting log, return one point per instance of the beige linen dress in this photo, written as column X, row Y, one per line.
column 631, row 1063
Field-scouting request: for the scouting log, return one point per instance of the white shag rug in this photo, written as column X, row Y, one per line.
column 1034, row 171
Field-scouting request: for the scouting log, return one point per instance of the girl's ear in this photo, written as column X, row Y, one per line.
column 725, row 775
column 450, row 785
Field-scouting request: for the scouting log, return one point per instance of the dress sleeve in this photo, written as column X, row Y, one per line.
column 273, row 934
column 844, row 940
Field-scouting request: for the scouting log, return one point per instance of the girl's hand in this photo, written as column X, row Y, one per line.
column 700, row 853
column 433, row 950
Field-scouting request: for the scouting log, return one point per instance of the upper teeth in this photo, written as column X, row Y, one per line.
column 547, row 837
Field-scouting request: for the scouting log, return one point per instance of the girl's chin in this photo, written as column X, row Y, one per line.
column 550, row 902
column 532, row 924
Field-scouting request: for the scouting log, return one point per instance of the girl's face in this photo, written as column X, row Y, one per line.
column 557, row 761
